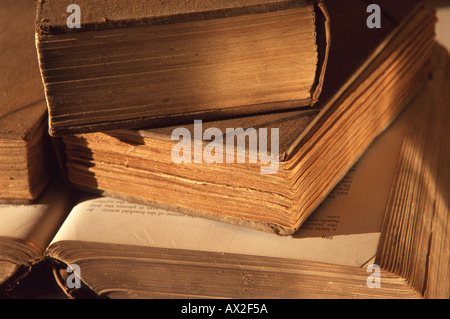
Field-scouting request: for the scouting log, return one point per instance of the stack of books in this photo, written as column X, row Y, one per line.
column 207, row 149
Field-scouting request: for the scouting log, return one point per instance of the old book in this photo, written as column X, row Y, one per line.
column 415, row 241
column 390, row 210
column 132, row 64
column 27, row 229
column 25, row 150
column 348, row 248
column 172, row 255
column 285, row 163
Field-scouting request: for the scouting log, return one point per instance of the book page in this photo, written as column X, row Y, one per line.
column 344, row 230
column 357, row 204
column 37, row 223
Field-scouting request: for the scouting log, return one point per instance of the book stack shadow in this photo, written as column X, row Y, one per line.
column 259, row 149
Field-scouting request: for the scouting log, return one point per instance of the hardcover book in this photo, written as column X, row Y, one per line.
column 270, row 171
column 26, row 155
column 381, row 233
column 137, row 64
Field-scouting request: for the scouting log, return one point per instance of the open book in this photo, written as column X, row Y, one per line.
column 154, row 253
column 344, row 231
column 123, row 249
column 26, row 230
column 270, row 171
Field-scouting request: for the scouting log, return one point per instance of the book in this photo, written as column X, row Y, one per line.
column 148, row 252
column 284, row 163
column 26, row 155
column 26, row 231
column 137, row 64
column 415, row 237
column 381, row 233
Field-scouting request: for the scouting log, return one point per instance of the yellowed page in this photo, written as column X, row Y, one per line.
column 344, row 230
column 37, row 223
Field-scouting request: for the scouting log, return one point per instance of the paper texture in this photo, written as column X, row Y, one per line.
column 344, row 230
column 37, row 223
